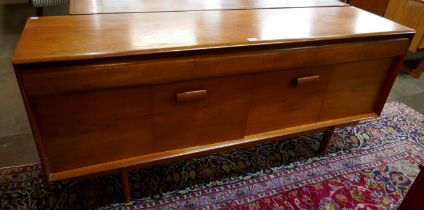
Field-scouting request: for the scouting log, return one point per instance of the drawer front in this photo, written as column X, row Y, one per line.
column 76, row 78
column 200, row 112
column 287, row 98
column 272, row 60
column 86, row 129
column 354, row 88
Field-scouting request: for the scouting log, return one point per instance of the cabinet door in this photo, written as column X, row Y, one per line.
column 286, row 98
column 200, row 112
column 84, row 129
column 354, row 88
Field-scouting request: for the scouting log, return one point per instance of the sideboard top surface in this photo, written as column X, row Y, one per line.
column 81, row 7
column 64, row 38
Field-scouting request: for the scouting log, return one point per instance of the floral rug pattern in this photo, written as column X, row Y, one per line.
column 371, row 165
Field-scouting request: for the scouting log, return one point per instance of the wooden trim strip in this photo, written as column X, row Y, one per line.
column 162, row 157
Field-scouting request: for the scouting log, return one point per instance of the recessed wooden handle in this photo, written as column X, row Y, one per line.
column 192, row 96
column 307, row 80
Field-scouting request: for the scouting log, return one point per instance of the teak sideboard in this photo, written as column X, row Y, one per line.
column 108, row 93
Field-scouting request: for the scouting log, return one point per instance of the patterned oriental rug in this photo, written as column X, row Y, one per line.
column 370, row 166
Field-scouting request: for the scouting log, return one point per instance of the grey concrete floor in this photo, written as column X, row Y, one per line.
column 16, row 142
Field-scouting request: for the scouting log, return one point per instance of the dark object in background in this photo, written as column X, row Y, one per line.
column 410, row 13
column 40, row 4
column 414, row 198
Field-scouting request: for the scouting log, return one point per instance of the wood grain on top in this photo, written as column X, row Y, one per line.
column 79, row 7
column 99, row 36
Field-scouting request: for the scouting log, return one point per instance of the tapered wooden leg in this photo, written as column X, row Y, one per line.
column 415, row 72
column 419, row 70
column 125, row 185
column 326, row 140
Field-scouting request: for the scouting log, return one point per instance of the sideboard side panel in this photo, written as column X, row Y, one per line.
column 34, row 126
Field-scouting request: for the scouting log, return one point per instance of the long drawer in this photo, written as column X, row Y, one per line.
column 65, row 78
column 271, row 60
column 61, row 79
